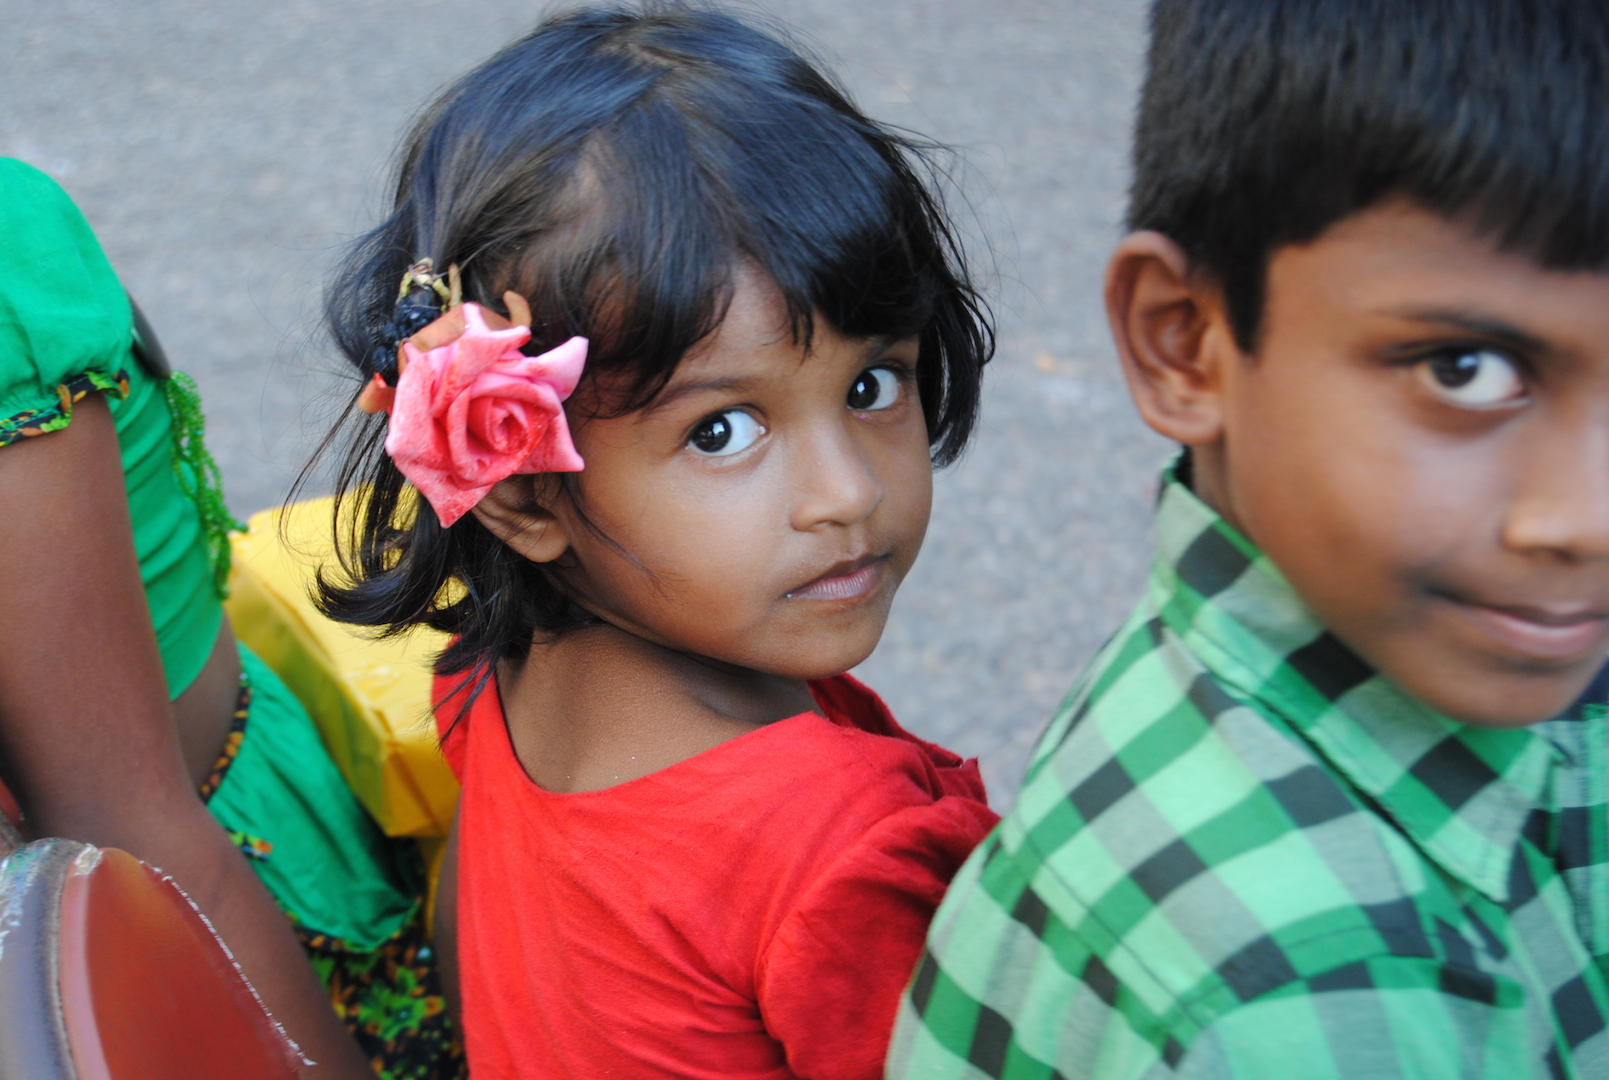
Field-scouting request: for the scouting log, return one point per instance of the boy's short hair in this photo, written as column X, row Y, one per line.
column 1263, row 122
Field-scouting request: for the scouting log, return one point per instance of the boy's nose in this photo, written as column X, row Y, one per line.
column 836, row 482
column 1562, row 506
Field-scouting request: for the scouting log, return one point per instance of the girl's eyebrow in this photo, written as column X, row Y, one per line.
column 670, row 395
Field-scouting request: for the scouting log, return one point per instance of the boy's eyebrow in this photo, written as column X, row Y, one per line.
column 1480, row 325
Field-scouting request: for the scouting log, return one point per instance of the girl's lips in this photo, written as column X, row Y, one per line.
column 844, row 584
column 1540, row 635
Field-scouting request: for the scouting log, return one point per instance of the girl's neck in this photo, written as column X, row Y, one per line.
column 599, row 706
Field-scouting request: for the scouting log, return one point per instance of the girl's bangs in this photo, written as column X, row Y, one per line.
column 678, row 191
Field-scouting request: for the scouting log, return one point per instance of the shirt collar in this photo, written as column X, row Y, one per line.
column 1462, row 794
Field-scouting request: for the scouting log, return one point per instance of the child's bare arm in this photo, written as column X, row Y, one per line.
column 87, row 736
column 445, row 927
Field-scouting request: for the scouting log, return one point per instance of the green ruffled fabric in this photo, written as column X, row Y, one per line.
column 199, row 476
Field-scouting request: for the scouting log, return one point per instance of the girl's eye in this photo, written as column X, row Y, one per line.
column 725, row 433
column 1472, row 379
column 875, row 388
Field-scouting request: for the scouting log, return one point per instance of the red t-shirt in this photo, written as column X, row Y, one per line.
column 753, row 911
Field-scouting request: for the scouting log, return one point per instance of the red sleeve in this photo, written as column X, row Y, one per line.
column 831, row 978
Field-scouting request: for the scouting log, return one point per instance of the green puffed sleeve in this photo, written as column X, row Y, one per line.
column 65, row 324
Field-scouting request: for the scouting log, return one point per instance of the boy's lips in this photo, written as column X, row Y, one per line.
column 851, row 579
column 1552, row 635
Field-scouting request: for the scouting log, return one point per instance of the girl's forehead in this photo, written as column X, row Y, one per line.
column 756, row 346
column 756, row 314
column 754, row 335
column 757, row 338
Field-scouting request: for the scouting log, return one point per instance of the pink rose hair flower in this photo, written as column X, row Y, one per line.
column 476, row 410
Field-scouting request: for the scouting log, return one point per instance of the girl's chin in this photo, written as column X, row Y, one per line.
column 798, row 660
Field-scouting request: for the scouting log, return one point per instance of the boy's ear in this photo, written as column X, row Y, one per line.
column 518, row 512
column 1171, row 335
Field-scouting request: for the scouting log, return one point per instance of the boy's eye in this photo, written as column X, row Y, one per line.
column 723, row 433
column 1472, row 379
column 875, row 388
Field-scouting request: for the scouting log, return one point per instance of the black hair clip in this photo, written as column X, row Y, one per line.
column 419, row 303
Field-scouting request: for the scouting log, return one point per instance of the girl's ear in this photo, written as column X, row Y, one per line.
column 518, row 512
column 1173, row 338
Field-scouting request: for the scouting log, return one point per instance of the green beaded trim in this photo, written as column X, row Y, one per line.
column 32, row 422
column 198, row 474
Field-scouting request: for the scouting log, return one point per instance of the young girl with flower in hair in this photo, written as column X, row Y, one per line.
column 679, row 338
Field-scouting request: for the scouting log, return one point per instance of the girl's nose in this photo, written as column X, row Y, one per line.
column 835, row 481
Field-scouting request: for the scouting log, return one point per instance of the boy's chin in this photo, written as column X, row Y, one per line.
column 1481, row 696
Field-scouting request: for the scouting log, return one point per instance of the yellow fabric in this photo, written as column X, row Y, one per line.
column 370, row 699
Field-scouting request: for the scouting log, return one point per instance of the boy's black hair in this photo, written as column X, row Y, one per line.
column 1263, row 122
column 614, row 166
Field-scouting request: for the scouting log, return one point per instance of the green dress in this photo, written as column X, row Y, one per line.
column 352, row 894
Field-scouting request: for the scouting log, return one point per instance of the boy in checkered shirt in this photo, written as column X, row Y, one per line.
column 1333, row 802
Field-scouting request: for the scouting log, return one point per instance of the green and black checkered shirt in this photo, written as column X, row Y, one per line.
column 1241, row 853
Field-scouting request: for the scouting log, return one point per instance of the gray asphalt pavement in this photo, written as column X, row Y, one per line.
column 225, row 150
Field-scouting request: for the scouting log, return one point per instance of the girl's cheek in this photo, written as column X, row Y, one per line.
column 915, row 458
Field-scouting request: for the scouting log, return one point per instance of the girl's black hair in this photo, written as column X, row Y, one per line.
column 613, row 167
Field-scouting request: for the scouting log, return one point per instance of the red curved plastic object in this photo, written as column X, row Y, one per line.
column 9, row 808
column 148, row 991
